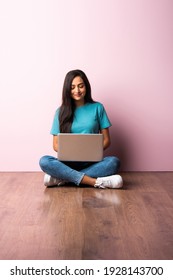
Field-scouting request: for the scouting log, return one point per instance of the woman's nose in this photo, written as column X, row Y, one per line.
column 77, row 89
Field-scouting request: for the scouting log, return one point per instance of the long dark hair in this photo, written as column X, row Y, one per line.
column 67, row 108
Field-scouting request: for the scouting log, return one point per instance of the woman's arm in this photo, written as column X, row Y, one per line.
column 55, row 143
column 106, row 138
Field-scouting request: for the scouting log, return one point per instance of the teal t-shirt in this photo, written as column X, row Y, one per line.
column 89, row 118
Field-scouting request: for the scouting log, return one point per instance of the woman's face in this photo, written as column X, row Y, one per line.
column 78, row 90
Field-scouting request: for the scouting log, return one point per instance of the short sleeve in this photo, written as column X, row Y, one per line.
column 104, row 121
column 55, row 125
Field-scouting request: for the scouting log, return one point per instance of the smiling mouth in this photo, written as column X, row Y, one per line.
column 78, row 95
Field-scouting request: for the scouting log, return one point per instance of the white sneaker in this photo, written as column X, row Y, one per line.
column 51, row 181
column 112, row 182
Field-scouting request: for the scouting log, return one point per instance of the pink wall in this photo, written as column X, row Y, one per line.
column 124, row 46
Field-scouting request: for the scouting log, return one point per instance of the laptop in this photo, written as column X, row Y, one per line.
column 80, row 147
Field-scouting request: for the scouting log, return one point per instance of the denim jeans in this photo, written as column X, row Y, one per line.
column 74, row 171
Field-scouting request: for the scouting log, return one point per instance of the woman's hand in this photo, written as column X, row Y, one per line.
column 106, row 138
column 55, row 143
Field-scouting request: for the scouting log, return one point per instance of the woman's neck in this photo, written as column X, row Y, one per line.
column 79, row 103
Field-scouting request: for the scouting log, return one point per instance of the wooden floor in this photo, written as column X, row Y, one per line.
column 75, row 223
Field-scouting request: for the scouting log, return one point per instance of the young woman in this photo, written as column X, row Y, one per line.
column 79, row 113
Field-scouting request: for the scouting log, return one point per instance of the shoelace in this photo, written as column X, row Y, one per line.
column 104, row 184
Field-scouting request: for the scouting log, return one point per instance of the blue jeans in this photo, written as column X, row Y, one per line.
column 75, row 171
